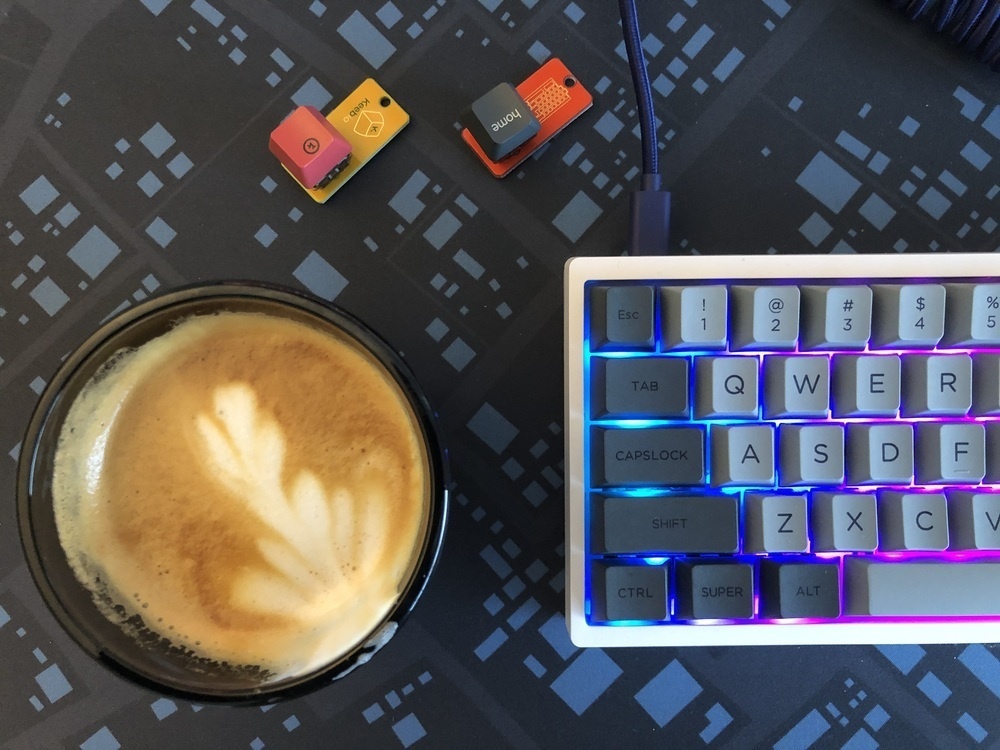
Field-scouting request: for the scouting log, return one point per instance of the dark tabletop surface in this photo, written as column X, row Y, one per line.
column 133, row 160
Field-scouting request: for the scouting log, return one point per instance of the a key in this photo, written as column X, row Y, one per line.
column 836, row 317
column 810, row 454
column 799, row 589
column 655, row 456
column 908, row 315
column 714, row 591
column 973, row 317
column 765, row 317
column 843, row 522
column 918, row 588
column 974, row 520
column 950, row 452
column 633, row 592
column 796, row 386
column 621, row 317
column 695, row 317
column 669, row 524
column 640, row 387
column 937, row 385
column 726, row 387
column 775, row 523
column 865, row 385
column 742, row 455
column 912, row 521
column 879, row 453
column 985, row 384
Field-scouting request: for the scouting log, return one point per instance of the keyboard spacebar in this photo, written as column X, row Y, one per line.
column 928, row 589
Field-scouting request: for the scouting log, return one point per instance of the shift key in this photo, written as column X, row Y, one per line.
column 649, row 457
column 671, row 524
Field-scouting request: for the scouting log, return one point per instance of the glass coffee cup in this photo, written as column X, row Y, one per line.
column 232, row 492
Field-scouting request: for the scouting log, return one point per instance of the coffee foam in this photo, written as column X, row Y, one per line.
column 255, row 489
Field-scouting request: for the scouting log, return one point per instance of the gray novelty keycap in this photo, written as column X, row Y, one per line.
column 672, row 524
column 657, row 456
column 929, row 589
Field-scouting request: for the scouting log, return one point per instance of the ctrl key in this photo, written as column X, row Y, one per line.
column 630, row 592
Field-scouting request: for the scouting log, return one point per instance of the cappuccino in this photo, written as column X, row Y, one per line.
column 255, row 488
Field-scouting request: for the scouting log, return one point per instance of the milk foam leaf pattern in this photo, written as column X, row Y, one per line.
column 246, row 451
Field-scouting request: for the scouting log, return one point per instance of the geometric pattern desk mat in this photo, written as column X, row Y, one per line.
column 133, row 160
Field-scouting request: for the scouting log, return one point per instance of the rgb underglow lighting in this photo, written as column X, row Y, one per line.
column 595, row 490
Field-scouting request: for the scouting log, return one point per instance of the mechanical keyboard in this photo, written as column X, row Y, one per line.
column 782, row 449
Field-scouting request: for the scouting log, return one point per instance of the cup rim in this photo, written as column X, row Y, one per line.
column 72, row 371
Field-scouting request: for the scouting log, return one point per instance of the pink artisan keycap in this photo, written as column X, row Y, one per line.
column 308, row 146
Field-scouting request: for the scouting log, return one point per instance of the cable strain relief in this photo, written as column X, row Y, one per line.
column 649, row 219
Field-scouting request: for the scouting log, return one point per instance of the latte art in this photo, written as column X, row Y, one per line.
column 255, row 489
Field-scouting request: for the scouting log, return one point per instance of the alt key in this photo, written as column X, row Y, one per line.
column 631, row 592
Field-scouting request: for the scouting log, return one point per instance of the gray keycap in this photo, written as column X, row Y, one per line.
column 775, row 523
column 657, row 456
column 936, row 385
column 799, row 589
column 714, row 591
column 880, row 453
column 671, row 524
column 974, row 520
column 912, row 521
column 765, row 317
column 973, row 316
column 726, row 387
column 621, row 316
column 695, row 317
column 836, row 317
column 865, row 385
column 843, row 522
column 950, row 452
column 992, row 452
column 634, row 592
column 796, row 386
column 640, row 386
column 810, row 454
column 985, row 384
column 908, row 315
column 905, row 588
column 742, row 455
